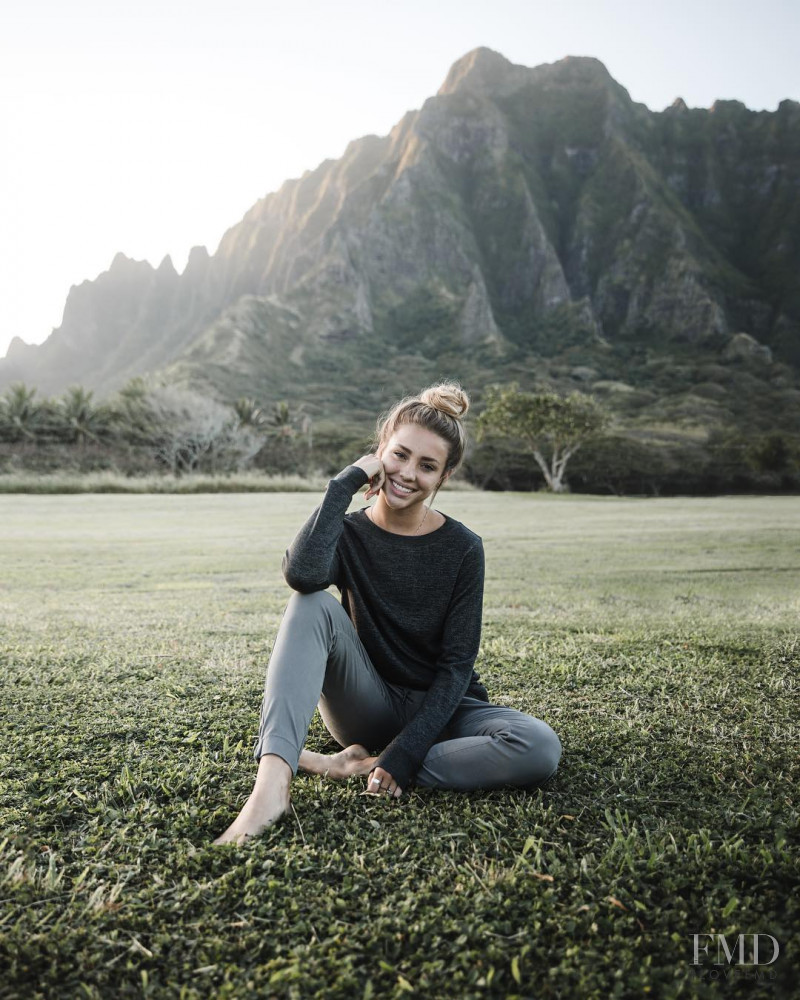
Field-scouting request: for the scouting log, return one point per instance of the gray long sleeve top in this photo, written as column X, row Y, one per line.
column 416, row 602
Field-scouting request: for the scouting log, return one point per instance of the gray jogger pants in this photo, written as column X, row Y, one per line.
column 319, row 660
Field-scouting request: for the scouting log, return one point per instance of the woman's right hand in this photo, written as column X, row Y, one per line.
column 373, row 467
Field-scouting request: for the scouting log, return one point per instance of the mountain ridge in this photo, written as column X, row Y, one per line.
column 525, row 221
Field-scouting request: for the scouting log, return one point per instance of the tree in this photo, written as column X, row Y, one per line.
column 286, row 421
column 83, row 420
column 132, row 416
column 281, row 420
column 195, row 430
column 285, row 431
column 250, row 414
column 773, row 452
column 20, row 413
column 551, row 427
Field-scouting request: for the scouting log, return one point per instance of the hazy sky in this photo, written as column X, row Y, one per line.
column 150, row 126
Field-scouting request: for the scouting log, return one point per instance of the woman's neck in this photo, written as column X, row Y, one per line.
column 417, row 520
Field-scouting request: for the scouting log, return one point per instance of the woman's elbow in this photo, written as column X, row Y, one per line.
column 302, row 584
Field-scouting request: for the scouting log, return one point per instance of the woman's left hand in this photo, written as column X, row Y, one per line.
column 373, row 466
column 380, row 782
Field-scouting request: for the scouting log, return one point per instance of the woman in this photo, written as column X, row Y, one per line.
column 391, row 666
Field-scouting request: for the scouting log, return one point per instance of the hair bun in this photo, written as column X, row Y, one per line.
column 448, row 397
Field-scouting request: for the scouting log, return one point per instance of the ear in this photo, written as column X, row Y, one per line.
column 446, row 476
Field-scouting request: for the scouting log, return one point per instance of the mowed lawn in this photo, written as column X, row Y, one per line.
column 658, row 637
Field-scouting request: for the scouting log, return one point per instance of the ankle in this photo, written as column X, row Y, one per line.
column 274, row 765
column 273, row 773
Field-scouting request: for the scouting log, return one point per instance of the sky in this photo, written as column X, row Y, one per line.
column 151, row 126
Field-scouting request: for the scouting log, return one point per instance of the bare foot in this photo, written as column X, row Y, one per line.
column 268, row 801
column 347, row 763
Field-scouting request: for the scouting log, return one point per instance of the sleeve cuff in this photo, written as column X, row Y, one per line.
column 400, row 764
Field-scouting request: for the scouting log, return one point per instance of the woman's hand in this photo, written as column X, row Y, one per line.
column 373, row 467
column 380, row 781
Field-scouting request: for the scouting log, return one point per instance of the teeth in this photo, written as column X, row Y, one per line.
column 403, row 489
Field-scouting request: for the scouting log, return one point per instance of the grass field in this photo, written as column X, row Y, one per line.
column 658, row 637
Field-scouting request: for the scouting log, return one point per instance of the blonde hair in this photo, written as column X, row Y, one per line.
column 439, row 408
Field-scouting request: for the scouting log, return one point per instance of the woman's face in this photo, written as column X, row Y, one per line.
column 414, row 459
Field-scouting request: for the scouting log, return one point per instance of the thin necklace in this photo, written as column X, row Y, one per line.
column 419, row 527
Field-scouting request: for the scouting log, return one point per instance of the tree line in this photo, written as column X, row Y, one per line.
column 522, row 441
column 185, row 431
column 169, row 428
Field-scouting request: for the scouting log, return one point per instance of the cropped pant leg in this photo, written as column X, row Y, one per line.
column 318, row 659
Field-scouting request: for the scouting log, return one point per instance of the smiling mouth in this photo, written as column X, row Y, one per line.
column 405, row 491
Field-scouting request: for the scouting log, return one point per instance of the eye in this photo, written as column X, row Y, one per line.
column 400, row 454
column 428, row 467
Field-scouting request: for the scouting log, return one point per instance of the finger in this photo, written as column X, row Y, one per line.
column 398, row 792
column 375, row 785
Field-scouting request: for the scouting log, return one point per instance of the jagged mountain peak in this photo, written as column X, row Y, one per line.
column 122, row 262
column 722, row 107
column 197, row 260
column 16, row 348
column 678, row 105
column 580, row 69
column 487, row 73
column 483, row 71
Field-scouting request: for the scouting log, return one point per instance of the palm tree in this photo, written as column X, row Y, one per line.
column 131, row 413
column 20, row 412
column 249, row 413
column 281, row 420
column 83, row 419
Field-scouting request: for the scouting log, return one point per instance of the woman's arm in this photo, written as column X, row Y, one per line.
column 460, row 644
column 310, row 562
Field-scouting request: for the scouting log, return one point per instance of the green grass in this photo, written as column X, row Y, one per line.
column 115, row 482
column 658, row 637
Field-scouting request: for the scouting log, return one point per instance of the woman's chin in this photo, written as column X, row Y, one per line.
column 397, row 502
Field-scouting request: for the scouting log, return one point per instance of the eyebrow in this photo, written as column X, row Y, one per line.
column 425, row 458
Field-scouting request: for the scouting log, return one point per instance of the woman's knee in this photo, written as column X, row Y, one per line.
column 315, row 599
column 543, row 752
column 316, row 614
column 311, row 605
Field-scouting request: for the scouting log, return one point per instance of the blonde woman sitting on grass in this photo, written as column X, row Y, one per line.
column 391, row 667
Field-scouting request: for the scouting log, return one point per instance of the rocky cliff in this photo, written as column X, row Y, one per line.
column 532, row 223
